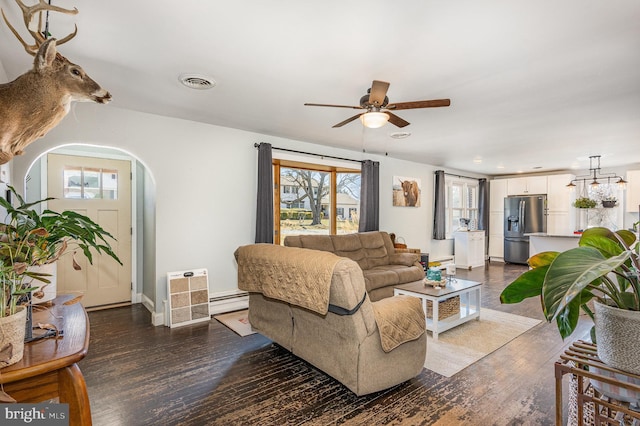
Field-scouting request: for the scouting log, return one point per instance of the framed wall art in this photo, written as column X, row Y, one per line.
column 406, row 191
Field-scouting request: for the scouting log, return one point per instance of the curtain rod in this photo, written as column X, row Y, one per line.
column 256, row 145
column 460, row 176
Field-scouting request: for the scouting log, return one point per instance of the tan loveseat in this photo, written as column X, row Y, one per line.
column 315, row 305
column 382, row 267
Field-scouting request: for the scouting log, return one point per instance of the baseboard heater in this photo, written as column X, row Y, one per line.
column 228, row 301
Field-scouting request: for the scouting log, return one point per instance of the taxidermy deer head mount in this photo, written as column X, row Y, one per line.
column 39, row 99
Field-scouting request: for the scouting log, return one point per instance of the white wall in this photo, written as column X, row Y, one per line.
column 7, row 168
column 205, row 187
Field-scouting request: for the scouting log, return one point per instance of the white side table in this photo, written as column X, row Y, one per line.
column 469, row 292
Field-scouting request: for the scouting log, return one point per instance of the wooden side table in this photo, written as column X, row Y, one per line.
column 49, row 367
column 576, row 360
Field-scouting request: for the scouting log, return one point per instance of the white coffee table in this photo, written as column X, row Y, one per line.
column 469, row 292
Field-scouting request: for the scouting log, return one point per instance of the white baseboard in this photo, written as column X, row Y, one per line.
column 221, row 302
column 156, row 318
column 228, row 301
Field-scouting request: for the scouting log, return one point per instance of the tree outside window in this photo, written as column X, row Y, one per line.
column 314, row 205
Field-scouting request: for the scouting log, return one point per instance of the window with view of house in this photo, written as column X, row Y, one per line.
column 461, row 202
column 315, row 199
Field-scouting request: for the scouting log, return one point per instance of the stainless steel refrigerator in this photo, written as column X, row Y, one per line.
column 522, row 215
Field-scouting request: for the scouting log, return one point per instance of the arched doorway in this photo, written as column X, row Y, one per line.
column 140, row 246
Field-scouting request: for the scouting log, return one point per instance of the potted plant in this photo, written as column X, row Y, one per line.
column 609, row 202
column 584, row 203
column 604, row 268
column 30, row 239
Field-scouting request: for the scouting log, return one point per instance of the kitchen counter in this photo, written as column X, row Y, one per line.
column 539, row 242
column 543, row 234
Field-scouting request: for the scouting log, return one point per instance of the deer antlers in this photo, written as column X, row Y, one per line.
column 28, row 13
column 39, row 99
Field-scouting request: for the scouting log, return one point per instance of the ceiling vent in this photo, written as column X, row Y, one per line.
column 197, row 81
column 400, row 135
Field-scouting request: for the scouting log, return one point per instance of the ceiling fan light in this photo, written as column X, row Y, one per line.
column 373, row 120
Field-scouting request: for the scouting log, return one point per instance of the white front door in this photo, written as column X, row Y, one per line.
column 100, row 189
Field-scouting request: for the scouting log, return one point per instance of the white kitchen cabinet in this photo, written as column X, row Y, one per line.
column 560, row 211
column 527, row 185
column 497, row 194
column 496, row 235
column 559, row 197
column 469, row 249
column 633, row 191
column 560, row 223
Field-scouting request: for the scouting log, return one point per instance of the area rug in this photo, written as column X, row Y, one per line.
column 237, row 321
column 467, row 343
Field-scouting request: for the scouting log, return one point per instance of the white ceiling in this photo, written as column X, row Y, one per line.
column 532, row 83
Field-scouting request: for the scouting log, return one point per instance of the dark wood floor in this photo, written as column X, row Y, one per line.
column 205, row 374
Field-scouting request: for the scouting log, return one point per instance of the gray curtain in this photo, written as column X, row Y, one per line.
column 439, row 213
column 264, row 210
column 483, row 205
column 370, row 196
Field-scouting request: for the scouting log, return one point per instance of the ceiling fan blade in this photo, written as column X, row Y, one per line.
column 378, row 92
column 347, row 121
column 334, row 106
column 397, row 121
column 420, row 104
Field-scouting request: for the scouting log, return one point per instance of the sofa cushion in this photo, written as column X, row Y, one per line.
column 347, row 242
column 406, row 259
column 350, row 246
column 373, row 252
column 407, row 275
column 317, row 242
column 382, row 277
column 375, row 248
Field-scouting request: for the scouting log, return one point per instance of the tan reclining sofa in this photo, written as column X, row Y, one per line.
column 382, row 267
column 315, row 305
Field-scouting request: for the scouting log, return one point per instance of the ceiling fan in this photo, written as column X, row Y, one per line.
column 377, row 109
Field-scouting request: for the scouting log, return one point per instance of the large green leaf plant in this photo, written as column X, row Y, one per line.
column 30, row 238
column 604, row 267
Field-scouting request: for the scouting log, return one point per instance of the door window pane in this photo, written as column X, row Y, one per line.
column 110, row 184
column 88, row 183
column 72, row 182
column 91, row 183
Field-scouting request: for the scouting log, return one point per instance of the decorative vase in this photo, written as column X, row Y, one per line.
column 12, row 330
column 50, row 290
column 618, row 334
